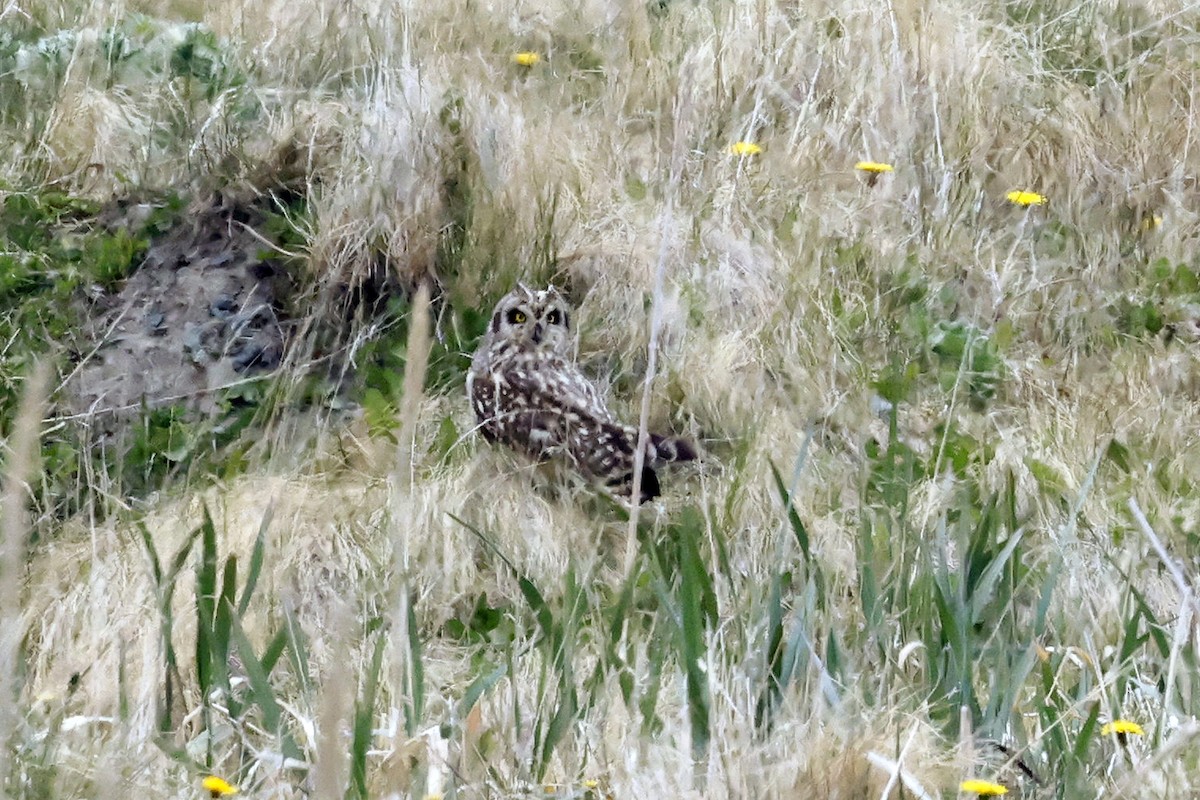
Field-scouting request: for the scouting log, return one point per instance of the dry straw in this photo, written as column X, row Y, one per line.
column 756, row 296
column 20, row 466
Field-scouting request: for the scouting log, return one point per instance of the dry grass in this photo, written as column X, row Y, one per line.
column 791, row 286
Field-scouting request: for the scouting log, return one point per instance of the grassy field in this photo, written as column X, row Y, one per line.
column 947, row 522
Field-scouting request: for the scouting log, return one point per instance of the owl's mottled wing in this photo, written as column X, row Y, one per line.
column 535, row 403
column 543, row 406
column 553, row 409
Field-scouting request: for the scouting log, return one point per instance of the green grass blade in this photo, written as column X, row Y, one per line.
column 224, row 615
column 165, row 587
column 798, row 652
column 179, row 561
column 152, row 552
column 648, row 704
column 485, row 539
column 206, row 598
column 297, row 650
column 564, row 716
column 985, row 587
column 256, row 562
column 1154, row 629
column 415, row 708
column 274, row 649
column 364, row 714
column 541, row 612
column 1087, row 733
column 1043, row 606
column 480, row 686
column 619, row 614
column 798, row 529
column 694, row 585
column 260, row 685
column 618, row 618
column 771, row 693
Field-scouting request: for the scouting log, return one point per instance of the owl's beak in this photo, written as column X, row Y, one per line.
column 537, row 333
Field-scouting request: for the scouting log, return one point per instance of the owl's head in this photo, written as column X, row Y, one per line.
column 532, row 320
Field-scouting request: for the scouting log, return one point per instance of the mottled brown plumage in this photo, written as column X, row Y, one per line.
column 528, row 393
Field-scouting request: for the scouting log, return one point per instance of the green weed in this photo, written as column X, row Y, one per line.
column 230, row 708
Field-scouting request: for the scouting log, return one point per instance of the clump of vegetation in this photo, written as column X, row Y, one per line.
column 50, row 258
column 1168, row 295
column 932, row 340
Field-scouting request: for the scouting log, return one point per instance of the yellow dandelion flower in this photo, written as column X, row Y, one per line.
column 745, row 149
column 1152, row 222
column 590, row 784
column 1122, row 726
column 218, row 787
column 983, row 788
column 1026, row 198
column 873, row 167
column 526, row 59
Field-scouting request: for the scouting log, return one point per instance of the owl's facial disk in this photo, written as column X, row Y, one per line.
column 540, row 320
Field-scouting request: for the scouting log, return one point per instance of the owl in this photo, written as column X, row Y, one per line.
column 528, row 393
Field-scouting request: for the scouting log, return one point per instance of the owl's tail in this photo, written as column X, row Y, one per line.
column 610, row 456
column 666, row 448
column 659, row 450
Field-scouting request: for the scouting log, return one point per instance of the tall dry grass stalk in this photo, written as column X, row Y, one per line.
column 335, row 714
column 404, row 519
column 683, row 108
column 20, row 470
column 416, row 364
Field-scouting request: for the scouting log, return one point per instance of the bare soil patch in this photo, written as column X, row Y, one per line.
column 205, row 311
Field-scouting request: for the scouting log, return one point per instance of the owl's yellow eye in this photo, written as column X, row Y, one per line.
column 516, row 317
column 519, row 317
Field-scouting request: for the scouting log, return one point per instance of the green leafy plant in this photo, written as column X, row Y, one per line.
column 221, row 647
